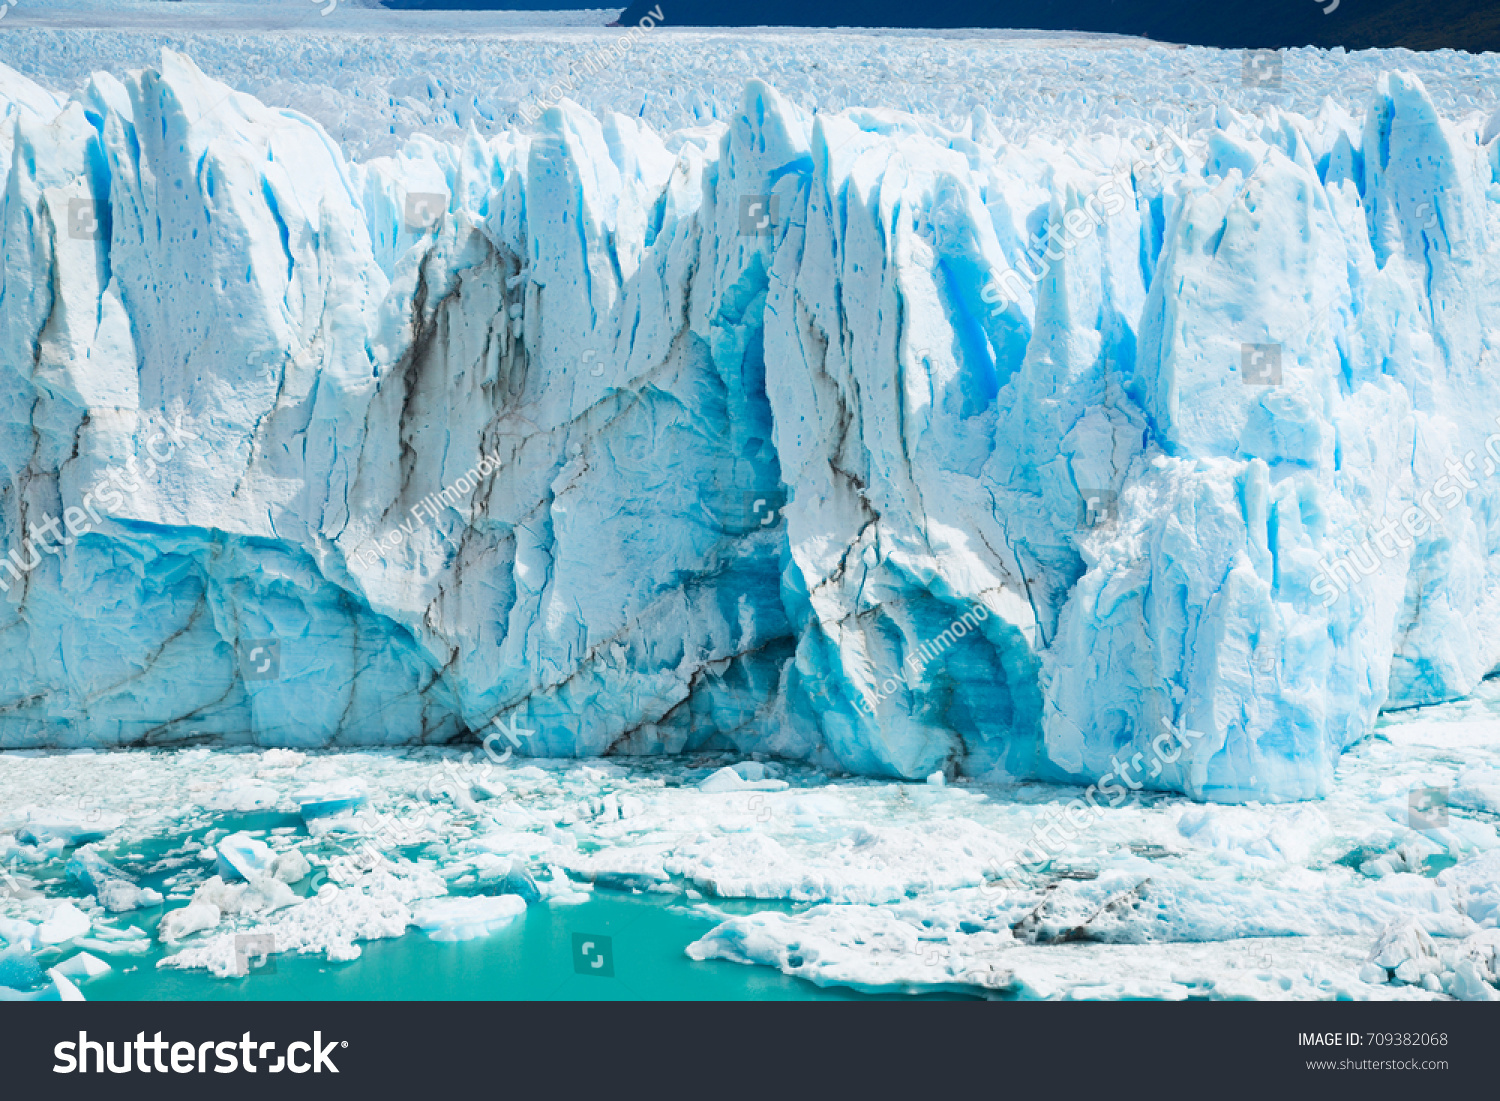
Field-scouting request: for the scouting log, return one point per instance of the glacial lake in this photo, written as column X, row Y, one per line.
column 529, row 960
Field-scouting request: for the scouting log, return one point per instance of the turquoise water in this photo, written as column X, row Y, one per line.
column 531, row 959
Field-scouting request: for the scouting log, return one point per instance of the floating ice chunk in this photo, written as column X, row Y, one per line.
column 224, row 896
column 64, row 923
column 808, row 808
column 1471, row 984
column 506, row 842
column 192, row 918
column 513, row 815
column 218, row 954
column 612, row 807
column 371, row 905
column 562, row 891
column 731, row 779
column 69, row 827
column 18, row 970
column 452, row 919
column 120, row 896
column 374, row 906
column 486, row 788
column 129, row 941
column 291, row 866
column 261, row 894
column 114, row 890
column 725, row 779
column 937, row 779
column 13, row 882
column 867, row 948
column 519, row 881
column 1477, row 789
column 66, row 991
column 757, row 772
column 623, row 867
column 489, row 866
column 867, row 864
column 91, row 871
column 331, row 798
column 243, row 857
column 1405, row 951
column 282, row 758
column 1263, row 833
column 1473, row 968
column 1410, row 972
column 243, row 796
column 18, row 933
column 83, row 966
column 1476, row 882
column 510, row 876
column 266, row 893
column 1373, row 973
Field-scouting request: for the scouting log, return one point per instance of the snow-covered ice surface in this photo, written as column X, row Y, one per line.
column 850, row 882
column 372, row 79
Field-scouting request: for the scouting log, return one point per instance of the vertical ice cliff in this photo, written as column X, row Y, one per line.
column 752, row 436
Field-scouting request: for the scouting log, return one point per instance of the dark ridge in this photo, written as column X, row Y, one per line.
column 493, row 5
column 1472, row 25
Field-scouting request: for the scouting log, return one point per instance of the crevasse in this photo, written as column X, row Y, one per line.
column 766, row 432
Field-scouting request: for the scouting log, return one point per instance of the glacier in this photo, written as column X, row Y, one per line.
column 632, row 439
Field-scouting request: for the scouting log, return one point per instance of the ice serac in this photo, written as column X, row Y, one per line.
column 729, row 438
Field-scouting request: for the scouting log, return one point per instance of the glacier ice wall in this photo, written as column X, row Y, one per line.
column 738, row 490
